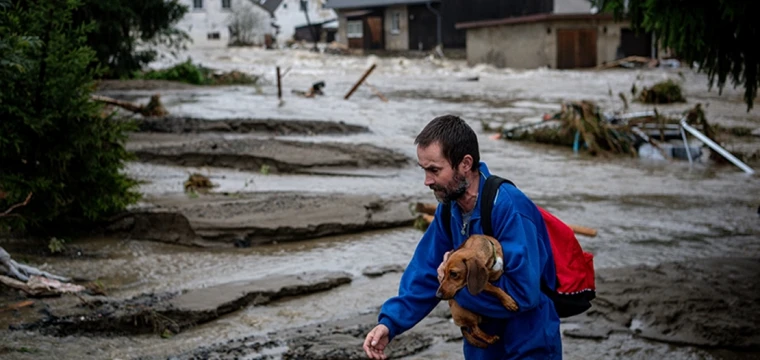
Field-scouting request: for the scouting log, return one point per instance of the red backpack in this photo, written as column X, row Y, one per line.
column 575, row 267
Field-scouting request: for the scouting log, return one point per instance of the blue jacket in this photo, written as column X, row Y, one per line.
column 530, row 333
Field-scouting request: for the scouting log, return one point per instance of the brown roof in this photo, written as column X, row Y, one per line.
column 532, row 19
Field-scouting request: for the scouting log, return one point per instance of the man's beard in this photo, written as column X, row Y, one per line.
column 451, row 193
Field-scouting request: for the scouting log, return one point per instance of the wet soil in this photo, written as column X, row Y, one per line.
column 706, row 303
column 638, row 301
column 244, row 126
column 142, row 84
column 648, row 214
column 174, row 312
column 247, row 219
column 266, row 155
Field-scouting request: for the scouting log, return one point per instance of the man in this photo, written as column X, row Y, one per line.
column 447, row 149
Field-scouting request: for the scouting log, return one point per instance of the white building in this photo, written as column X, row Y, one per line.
column 210, row 22
column 289, row 14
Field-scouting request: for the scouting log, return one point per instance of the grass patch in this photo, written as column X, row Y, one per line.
column 190, row 73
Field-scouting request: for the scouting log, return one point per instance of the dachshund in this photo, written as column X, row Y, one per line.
column 475, row 264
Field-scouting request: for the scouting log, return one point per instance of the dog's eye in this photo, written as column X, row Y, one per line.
column 453, row 274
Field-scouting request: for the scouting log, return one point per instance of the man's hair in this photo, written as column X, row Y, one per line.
column 455, row 137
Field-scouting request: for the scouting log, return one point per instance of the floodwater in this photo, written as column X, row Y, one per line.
column 646, row 212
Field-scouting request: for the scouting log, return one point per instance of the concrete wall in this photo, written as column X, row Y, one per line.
column 396, row 40
column 533, row 45
column 572, row 7
column 513, row 46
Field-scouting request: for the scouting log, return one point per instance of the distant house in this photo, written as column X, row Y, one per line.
column 289, row 16
column 219, row 23
column 419, row 24
column 323, row 32
column 570, row 35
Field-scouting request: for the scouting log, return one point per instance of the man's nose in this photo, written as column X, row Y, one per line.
column 429, row 180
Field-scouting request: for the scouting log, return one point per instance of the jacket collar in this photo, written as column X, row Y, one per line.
column 484, row 174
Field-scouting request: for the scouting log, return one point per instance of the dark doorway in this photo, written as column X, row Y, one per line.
column 423, row 28
column 632, row 44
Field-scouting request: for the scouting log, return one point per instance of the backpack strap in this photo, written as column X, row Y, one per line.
column 486, row 206
column 486, row 202
column 446, row 220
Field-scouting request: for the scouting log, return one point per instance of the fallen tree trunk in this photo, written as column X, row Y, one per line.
column 22, row 272
column 154, row 107
column 31, row 280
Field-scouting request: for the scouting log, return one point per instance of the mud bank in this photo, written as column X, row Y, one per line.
column 337, row 339
column 244, row 126
column 715, row 306
column 247, row 219
column 276, row 156
column 159, row 313
column 704, row 302
column 142, row 84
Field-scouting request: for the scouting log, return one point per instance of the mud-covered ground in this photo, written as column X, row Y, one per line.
column 307, row 227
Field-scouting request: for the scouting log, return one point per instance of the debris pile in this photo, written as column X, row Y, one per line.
column 576, row 122
column 665, row 92
column 198, row 183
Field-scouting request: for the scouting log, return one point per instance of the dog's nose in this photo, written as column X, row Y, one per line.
column 438, row 294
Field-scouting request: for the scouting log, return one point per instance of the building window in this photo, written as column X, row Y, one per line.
column 355, row 29
column 396, row 23
column 197, row 4
column 212, row 36
column 226, row 4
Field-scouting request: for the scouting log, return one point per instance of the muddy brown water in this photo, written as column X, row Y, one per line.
column 646, row 212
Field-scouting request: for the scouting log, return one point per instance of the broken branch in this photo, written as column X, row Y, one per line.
column 24, row 203
column 364, row 77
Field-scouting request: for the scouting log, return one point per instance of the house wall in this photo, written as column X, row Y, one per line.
column 396, row 40
column 198, row 23
column 288, row 16
column 341, row 37
column 572, row 7
column 212, row 18
column 533, row 45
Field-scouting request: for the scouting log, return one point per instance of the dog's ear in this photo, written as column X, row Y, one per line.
column 477, row 275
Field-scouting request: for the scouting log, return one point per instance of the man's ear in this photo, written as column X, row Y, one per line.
column 466, row 165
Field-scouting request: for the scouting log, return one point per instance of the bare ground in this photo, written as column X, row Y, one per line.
column 640, row 301
column 276, row 156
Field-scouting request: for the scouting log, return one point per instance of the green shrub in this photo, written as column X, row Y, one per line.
column 185, row 72
column 55, row 143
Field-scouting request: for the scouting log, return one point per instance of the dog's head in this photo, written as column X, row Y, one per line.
column 462, row 268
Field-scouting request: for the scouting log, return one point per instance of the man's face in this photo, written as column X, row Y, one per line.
column 447, row 183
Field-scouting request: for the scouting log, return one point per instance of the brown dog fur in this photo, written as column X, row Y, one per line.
column 470, row 265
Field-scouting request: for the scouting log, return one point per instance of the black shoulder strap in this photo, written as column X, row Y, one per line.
column 486, row 205
column 486, row 202
column 446, row 219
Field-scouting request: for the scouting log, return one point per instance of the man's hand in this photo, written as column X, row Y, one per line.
column 440, row 267
column 376, row 341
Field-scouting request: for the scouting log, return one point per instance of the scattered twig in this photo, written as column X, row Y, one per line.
column 24, row 203
column 377, row 92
